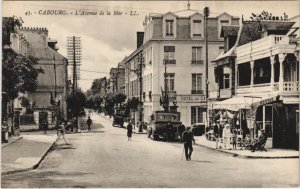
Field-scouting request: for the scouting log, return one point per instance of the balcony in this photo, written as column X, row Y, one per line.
column 291, row 87
column 166, row 61
column 287, row 88
column 171, row 95
column 197, row 92
column 197, row 61
column 225, row 93
column 278, row 43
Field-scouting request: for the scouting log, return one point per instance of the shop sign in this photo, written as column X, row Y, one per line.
column 190, row 98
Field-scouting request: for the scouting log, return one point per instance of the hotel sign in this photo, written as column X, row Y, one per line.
column 190, row 98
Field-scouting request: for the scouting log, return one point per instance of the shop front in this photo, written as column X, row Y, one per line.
column 249, row 116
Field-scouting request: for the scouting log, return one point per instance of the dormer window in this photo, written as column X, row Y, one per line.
column 197, row 28
column 169, row 27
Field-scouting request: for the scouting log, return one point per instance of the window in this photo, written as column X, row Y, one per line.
column 196, row 55
column 169, row 27
column 197, row 114
column 226, row 81
column 197, row 28
column 170, row 77
column 197, row 84
column 169, row 52
column 222, row 23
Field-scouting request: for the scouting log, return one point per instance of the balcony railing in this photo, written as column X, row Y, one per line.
column 262, row 44
column 287, row 87
column 171, row 95
column 197, row 61
column 292, row 86
column 197, row 92
column 166, row 61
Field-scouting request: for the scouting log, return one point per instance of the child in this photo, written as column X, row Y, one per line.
column 234, row 139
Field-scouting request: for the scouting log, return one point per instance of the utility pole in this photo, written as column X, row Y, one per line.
column 141, row 89
column 206, row 14
column 54, row 64
column 74, row 58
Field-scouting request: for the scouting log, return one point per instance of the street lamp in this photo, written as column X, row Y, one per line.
column 206, row 14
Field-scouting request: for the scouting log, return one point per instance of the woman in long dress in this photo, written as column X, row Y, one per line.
column 129, row 131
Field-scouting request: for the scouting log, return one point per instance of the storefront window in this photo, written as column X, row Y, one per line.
column 197, row 114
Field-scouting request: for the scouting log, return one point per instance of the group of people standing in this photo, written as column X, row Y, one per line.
column 226, row 135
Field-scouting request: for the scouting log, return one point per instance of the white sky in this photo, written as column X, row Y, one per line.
column 106, row 40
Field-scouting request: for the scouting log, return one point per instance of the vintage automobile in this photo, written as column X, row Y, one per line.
column 157, row 127
column 118, row 120
column 198, row 129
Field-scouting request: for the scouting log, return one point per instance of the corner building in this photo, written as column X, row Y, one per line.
column 173, row 55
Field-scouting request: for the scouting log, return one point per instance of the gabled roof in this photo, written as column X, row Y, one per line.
column 225, row 13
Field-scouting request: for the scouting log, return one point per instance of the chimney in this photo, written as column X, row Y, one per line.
column 139, row 39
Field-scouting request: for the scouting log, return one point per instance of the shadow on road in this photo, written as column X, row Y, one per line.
column 199, row 161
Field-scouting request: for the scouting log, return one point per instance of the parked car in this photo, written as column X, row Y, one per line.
column 198, row 129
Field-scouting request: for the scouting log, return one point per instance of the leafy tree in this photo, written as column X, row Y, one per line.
column 109, row 103
column 19, row 74
column 133, row 103
column 77, row 102
column 119, row 98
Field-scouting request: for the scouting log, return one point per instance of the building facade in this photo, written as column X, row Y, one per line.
column 172, row 57
column 266, row 82
column 54, row 80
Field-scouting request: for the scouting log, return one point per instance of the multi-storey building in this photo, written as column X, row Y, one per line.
column 173, row 58
column 54, row 80
column 265, row 72
column 117, row 80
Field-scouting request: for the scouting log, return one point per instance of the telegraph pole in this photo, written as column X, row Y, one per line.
column 206, row 14
column 54, row 64
column 141, row 90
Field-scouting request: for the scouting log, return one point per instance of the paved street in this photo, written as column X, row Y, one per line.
column 104, row 158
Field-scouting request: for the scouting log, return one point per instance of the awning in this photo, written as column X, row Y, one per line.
column 240, row 102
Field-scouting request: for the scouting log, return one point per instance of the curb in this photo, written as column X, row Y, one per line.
column 34, row 166
column 246, row 156
column 11, row 142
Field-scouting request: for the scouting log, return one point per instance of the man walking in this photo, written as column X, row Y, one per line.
column 170, row 132
column 188, row 138
column 89, row 123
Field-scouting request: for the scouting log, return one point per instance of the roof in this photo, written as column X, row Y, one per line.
column 229, row 30
column 251, row 29
column 230, row 53
column 186, row 13
column 46, row 53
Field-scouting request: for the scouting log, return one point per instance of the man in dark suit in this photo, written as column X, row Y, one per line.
column 188, row 138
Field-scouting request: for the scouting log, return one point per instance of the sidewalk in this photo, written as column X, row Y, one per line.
column 271, row 153
column 26, row 153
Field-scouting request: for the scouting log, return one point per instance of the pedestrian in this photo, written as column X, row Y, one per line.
column 260, row 144
column 89, row 123
column 234, row 139
column 61, row 131
column 170, row 132
column 180, row 130
column 188, row 138
column 216, row 133
column 226, row 136
column 44, row 125
column 129, row 130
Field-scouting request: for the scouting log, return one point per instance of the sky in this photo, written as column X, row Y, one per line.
column 107, row 39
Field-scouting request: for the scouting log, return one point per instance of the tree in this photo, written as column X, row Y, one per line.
column 19, row 73
column 109, row 103
column 77, row 102
column 119, row 98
